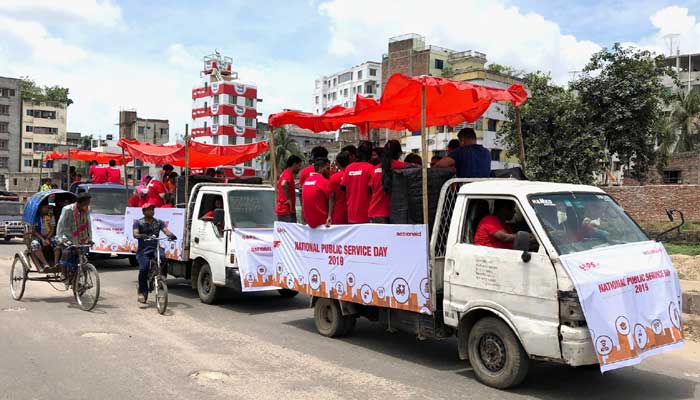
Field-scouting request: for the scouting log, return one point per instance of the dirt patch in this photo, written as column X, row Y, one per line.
column 688, row 267
column 691, row 327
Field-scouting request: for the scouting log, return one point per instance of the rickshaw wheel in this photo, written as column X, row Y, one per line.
column 18, row 278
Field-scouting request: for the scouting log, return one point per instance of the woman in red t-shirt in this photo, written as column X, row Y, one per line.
column 380, row 203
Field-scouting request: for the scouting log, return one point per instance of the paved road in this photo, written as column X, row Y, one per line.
column 260, row 347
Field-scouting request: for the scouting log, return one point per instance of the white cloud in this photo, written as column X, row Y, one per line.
column 523, row 40
column 92, row 11
column 672, row 20
column 179, row 56
column 44, row 47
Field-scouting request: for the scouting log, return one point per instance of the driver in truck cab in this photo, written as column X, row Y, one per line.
column 493, row 231
column 145, row 228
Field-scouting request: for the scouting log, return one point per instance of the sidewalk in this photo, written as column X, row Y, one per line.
column 691, row 296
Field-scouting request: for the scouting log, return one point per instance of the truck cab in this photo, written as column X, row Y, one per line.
column 214, row 211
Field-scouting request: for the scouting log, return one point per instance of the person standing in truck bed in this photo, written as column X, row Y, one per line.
column 285, row 209
column 471, row 160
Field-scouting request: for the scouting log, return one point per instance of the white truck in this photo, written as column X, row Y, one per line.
column 209, row 258
column 505, row 306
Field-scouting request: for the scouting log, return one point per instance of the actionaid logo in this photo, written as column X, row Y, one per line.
column 238, row 130
column 215, row 87
column 215, row 108
column 240, row 89
column 240, row 110
column 413, row 234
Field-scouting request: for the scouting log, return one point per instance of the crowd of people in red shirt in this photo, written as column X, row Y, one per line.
column 158, row 192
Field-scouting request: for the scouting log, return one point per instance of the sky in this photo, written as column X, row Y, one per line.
column 133, row 54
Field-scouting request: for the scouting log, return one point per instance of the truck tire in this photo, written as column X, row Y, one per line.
column 496, row 354
column 287, row 293
column 207, row 290
column 350, row 323
column 328, row 318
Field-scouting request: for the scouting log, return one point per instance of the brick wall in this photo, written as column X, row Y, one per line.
column 648, row 203
column 687, row 164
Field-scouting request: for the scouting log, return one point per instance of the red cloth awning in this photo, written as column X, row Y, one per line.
column 87, row 155
column 200, row 155
column 448, row 102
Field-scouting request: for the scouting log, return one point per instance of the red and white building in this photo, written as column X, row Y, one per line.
column 224, row 111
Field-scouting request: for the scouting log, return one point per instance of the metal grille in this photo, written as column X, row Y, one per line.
column 448, row 198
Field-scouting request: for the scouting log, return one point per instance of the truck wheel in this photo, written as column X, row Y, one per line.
column 286, row 293
column 328, row 318
column 349, row 327
column 207, row 290
column 496, row 354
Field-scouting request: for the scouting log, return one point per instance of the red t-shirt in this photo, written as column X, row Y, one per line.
column 314, row 194
column 134, row 201
column 98, row 174
column 281, row 208
column 489, row 225
column 155, row 189
column 305, row 174
column 114, row 175
column 358, row 176
column 340, row 209
column 380, row 203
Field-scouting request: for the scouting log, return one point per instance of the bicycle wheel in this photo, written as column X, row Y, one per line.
column 161, row 294
column 86, row 286
column 18, row 278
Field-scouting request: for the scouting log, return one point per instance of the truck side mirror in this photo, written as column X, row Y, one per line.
column 522, row 243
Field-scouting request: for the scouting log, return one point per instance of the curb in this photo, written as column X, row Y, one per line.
column 691, row 302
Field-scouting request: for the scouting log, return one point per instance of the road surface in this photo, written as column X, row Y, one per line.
column 261, row 347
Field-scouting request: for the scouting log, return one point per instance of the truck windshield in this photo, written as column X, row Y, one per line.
column 108, row 201
column 252, row 208
column 11, row 209
column 582, row 221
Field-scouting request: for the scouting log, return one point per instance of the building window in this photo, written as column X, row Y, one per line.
column 37, row 163
column 44, row 130
column 359, row 75
column 215, row 120
column 492, row 125
column 3, row 162
column 372, row 72
column 163, row 131
column 249, row 102
column 4, row 109
column 231, row 120
column 249, row 122
column 248, row 140
column 5, row 92
column 439, row 64
column 672, row 177
column 345, row 92
column 231, row 140
column 141, row 130
column 369, row 90
column 346, row 77
column 27, row 163
column 316, row 99
column 4, row 127
column 248, row 163
column 232, row 99
column 216, row 99
column 359, row 89
column 334, row 81
column 3, row 144
column 27, row 145
column 496, row 154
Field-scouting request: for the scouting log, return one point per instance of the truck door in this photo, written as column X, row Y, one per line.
column 208, row 240
column 499, row 279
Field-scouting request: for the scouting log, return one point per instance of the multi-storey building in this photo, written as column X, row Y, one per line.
column 409, row 55
column 43, row 131
column 224, row 111
column 156, row 131
column 340, row 88
column 10, row 127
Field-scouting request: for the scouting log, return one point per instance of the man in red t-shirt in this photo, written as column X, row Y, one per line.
column 156, row 192
column 315, row 194
column 114, row 175
column 285, row 209
column 357, row 181
column 380, row 202
column 316, row 153
column 337, row 203
column 492, row 230
column 98, row 173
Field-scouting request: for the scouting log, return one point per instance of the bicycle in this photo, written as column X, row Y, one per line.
column 156, row 279
column 82, row 278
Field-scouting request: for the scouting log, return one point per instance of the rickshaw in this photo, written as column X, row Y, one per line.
column 81, row 276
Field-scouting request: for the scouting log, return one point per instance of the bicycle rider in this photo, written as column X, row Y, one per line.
column 145, row 228
column 74, row 226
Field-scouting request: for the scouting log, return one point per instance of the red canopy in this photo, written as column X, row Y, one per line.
column 200, row 155
column 448, row 102
column 87, row 155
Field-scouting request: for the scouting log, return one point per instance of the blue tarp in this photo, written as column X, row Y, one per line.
column 32, row 206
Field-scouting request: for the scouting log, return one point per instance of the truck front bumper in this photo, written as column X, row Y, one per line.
column 577, row 346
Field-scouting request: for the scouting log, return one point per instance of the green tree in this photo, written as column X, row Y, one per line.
column 86, row 142
column 285, row 146
column 505, row 70
column 32, row 92
column 622, row 94
column 685, row 111
column 559, row 147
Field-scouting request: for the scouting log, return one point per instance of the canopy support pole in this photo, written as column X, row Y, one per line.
column 67, row 171
column 521, row 142
column 273, row 159
column 126, row 187
column 187, row 166
column 41, row 166
column 424, row 150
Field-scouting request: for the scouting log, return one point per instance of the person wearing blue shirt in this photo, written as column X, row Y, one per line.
column 470, row 160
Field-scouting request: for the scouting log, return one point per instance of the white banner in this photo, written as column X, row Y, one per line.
column 631, row 298
column 174, row 219
column 254, row 258
column 374, row 264
column 108, row 234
